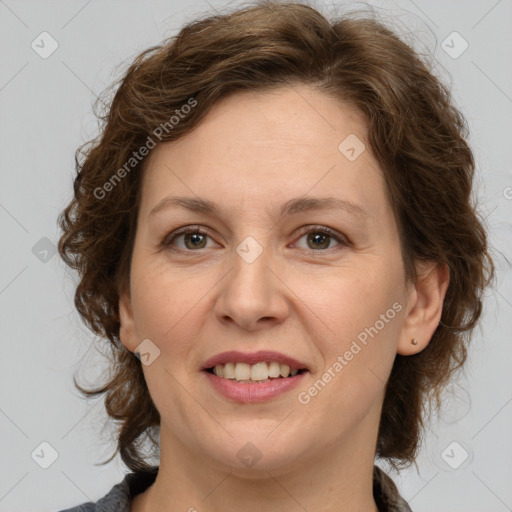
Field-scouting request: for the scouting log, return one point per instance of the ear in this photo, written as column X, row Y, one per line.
column 424, row 307
column 127, row 331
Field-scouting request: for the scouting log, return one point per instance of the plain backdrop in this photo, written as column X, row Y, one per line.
column 46, row 113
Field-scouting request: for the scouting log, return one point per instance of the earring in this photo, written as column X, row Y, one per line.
column 414, row 341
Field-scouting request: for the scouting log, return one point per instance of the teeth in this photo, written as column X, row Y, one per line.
column 229, row 371
column 274, row 370
column 284, row 370
column 259, row 372
column 242, row 371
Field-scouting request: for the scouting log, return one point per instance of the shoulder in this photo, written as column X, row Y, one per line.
column 119, row 498
column 386, row 494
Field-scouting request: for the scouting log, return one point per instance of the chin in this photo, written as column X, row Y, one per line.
column 256, row 449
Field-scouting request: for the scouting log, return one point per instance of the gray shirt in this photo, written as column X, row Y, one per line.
column 119, row 498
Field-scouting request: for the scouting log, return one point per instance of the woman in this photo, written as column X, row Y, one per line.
column 275, row 234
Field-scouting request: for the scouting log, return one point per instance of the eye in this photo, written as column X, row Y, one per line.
column 192, row 238
column 320, row 238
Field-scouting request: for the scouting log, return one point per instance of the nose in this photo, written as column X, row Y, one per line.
column 253, row 295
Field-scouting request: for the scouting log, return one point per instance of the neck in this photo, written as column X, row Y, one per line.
column 324, row 480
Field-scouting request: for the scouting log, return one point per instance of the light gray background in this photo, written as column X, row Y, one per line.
column 45, row 112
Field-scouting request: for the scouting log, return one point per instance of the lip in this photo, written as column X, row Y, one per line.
column 243, row 392
column 234, row 356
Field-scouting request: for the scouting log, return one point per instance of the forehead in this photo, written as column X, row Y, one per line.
column 269, row 145
column 299, row 116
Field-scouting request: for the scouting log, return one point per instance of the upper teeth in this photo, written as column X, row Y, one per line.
column 258, row 371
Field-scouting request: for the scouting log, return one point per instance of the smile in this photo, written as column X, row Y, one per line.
column 255, row 373
column 253, row 377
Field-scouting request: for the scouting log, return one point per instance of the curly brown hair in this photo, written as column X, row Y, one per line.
column 415, row 132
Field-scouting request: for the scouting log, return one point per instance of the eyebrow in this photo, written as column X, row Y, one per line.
column 291, row 207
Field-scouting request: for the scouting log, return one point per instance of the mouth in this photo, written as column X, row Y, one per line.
column 264, row 371
column 255, row 368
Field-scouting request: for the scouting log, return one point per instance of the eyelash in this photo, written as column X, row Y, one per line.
column 167, row 241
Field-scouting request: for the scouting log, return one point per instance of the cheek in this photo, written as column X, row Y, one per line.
column 165, row 300
column 355, row 327
column 169, row 309
column 352, row 304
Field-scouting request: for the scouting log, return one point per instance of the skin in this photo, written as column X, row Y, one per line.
column 252, row 153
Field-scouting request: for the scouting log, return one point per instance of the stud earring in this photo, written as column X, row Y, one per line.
column 414, row 341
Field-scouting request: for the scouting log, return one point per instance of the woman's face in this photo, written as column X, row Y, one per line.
column 276, row 268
